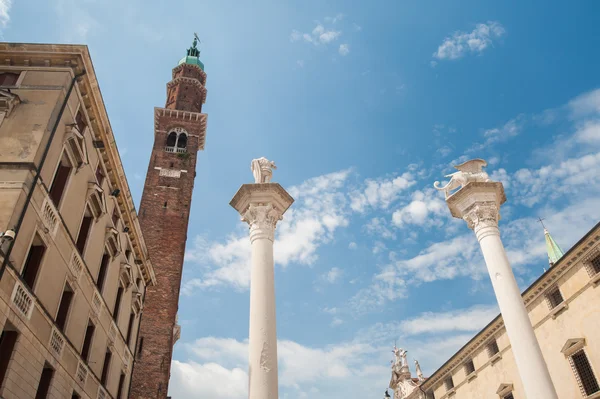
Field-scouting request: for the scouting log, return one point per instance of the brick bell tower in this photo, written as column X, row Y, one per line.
column 179, row 132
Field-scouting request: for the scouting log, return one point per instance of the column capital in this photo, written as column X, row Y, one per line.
column 262, row 220
column 261, row 205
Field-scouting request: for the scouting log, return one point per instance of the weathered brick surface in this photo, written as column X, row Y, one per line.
column 164, row 214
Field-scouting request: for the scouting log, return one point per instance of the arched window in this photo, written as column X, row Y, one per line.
column 172, row 139
column 182, row 140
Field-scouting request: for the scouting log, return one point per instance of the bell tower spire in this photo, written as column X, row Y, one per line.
column 554, row 251
column 179, row 133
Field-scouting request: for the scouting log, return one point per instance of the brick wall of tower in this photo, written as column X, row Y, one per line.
column 164, row 214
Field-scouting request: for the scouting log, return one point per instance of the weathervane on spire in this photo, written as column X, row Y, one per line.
column 542, row 222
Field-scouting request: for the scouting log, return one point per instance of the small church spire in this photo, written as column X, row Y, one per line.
column 554, row 251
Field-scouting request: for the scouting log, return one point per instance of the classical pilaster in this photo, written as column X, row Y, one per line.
column 478, row 203
column 262, row 205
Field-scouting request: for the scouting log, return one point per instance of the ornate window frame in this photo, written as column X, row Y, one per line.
column 179, row 131
column 504, row 390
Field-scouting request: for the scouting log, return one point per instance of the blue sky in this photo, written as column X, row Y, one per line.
column 362, row 106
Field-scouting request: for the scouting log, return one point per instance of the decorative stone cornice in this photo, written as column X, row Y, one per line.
column 75, row 59
column 200, row 71
column 262, row 220
column 194, row 82
column 184, row 116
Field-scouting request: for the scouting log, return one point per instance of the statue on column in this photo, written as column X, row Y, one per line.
column 262, row 169
column 419, row 372
column 470, row 171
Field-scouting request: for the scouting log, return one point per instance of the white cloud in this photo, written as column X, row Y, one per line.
column 352, row 245
column 335, row 19
column 426, row 208
column 380, row 193
column 471, row 319
column 336, row 322
column 319, row 35
column 4, row 12
column 585, row 105
column 210, row 380
column 570, row 177
column 356, row 27
column 378, row 226
column 344, row 49
column 319, row 210
column 333, row 275
column 301, row 368
column 510, row 129
column 462, row 43
column 588, row 132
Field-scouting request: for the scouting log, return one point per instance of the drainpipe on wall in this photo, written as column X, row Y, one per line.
column 37, row 174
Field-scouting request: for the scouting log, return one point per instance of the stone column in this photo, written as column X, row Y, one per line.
column 478, row 203
column 261, row 205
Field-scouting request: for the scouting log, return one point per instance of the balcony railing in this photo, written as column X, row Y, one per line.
column 176, row 149
column 50, row 216
column 57, row 342
column 23, row 300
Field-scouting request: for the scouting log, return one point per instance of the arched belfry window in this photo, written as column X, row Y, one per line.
column 182, row 141
column 172, row 139
column 177, row 140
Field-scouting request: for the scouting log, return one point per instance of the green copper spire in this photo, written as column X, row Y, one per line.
column 554, row 251
column 193, row 55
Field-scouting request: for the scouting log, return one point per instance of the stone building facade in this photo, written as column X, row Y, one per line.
column 179, row 132
column 564, row 309
column 74, row 279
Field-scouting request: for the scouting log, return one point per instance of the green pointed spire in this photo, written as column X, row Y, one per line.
column 193, row 55
column 554, row 251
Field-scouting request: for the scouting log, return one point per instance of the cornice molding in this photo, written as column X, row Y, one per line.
column 76, row 59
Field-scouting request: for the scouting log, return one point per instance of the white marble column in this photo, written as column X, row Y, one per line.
column 478, row 203
column 263, row 332
column 262, row 205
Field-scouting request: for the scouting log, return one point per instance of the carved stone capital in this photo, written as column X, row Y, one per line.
column 483, row 218
column 262, row 220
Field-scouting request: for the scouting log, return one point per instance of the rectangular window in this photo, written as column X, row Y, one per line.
column 585, row 374
column 63, row 307
column 118, row 303
column 102, row 272
column 140, row 347
column 492, row 348
column 99, row 174
column 555, row 298
column 9, row 78
column 469, row 367
column 120, row 389
column 8, row 339
column 115, row 217
column 449, row 383
column 87, row 341
column 595, row 265
column 130, row 327
column 105, row 367
column 45, row 380
column 60, row 180
column 33, row 262
column 509, row 396
column 84, row 230
column 80, row 121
